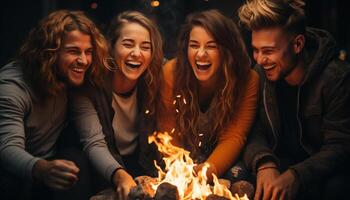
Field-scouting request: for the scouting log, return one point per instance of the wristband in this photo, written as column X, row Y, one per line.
column 267, row 167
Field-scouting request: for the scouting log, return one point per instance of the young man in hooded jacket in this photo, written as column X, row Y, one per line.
column 299, row 146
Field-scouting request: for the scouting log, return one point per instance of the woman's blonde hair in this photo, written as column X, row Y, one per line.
column 39, row 53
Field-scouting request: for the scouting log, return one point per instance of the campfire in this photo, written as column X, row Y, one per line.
column 179, row 180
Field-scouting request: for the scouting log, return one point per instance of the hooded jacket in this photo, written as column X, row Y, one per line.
column 323, row 114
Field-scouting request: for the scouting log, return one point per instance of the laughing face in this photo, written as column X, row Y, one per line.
column 74, row 58
column 203, row 55
column 133, row 50
column 273, row 51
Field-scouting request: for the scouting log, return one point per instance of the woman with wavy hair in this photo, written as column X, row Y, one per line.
column 209, row 92
column 114, row 121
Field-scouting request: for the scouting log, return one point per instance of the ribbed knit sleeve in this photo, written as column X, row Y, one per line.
column 233, row 137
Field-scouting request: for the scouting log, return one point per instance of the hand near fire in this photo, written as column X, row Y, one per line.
column 271, row 185
column 57, row 174
column 210, row 171
column 124, row 182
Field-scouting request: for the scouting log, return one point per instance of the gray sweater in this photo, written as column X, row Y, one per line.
column 28, row 128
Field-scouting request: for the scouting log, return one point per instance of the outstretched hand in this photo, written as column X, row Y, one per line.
column 211, row 170
column 271, row 185
column 57, row 174
column 124, row 182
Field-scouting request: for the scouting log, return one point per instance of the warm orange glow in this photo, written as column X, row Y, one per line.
column 155, row 3
column 179, row 171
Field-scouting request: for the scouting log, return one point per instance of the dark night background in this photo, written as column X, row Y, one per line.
column 18, row 17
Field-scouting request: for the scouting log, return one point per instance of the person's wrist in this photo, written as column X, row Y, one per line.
column 39, row 169
column 115, row 175
column 266, row 165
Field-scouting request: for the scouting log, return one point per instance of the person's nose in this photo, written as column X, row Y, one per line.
column 136, row 52
column 201, row 53
column 260, row 59
column 82, row 59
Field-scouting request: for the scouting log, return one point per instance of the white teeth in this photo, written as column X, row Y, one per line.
column 133, row 63
column 269, row 67
column 78, row 70
column 202, row 63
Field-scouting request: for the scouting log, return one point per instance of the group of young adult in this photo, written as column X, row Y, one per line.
column 288, row 119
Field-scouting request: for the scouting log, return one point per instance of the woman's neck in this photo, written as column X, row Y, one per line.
column 205, row 95
column 121, row 84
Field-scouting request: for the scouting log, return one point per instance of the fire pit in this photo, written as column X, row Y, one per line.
column 179, row 180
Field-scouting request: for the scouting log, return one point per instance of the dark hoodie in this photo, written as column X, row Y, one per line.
column 323, row 114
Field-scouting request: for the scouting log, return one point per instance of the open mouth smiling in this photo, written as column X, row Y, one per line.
column 269, row 67
column 133, row 64
column 203, row 65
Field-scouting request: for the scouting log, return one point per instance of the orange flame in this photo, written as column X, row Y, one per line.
column 179, row 171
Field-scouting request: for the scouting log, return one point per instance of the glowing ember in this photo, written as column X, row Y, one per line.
column 179, row 171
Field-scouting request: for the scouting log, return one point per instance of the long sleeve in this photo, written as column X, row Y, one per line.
column 233, row 137
column 88, row 125
column 166, row 119
column 14, row 104
column 334, row 153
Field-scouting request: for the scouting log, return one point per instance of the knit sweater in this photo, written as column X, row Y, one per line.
column 29, row 127
column 232, row 137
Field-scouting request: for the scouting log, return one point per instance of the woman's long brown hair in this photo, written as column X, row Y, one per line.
column 234, row 69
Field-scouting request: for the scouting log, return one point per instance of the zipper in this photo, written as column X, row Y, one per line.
column 299, row 123
column 268, row 118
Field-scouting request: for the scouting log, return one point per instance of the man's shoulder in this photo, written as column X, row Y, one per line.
column 336, row 70
column 12, row 84
column 12, row 72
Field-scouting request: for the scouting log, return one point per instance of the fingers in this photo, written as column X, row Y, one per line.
column 60, row 184
column 67, row 166
column 283, row 196
column 275, row 194
column 62, row 174
column 66, row 176
column 267, row 192
column 258, row 192
column 122, row 192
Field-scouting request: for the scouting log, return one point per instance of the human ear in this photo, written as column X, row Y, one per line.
column 299, row 42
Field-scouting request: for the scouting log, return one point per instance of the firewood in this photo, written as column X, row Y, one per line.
column 241, row 188
column 166, row 191
column 137, row 193
column 215, row 197
column 144, row 187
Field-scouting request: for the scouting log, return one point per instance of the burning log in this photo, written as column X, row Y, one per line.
column 243, row 187
column 143, row 190
column 166, row 191
column 216, row 197
column 224, row 182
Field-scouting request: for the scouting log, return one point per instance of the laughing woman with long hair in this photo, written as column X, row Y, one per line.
column 209, row 93
column 113, row 121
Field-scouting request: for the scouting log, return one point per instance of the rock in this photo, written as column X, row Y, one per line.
column 166, row 191
column 144, row 184
column 137, row 193
column 241, row 188
column 215, row 197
